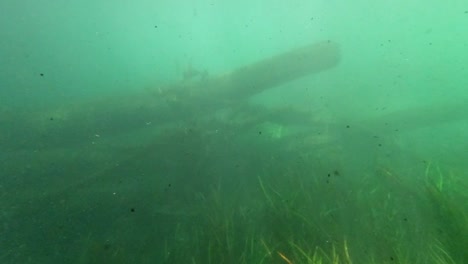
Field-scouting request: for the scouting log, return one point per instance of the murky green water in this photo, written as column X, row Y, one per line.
column 233, row 132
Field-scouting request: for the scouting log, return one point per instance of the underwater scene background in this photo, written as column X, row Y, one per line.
column 218, row 131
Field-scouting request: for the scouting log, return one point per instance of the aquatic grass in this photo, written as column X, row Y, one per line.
column 306, row 220
column 453, row 221
column 267, row 196
column 438, row 254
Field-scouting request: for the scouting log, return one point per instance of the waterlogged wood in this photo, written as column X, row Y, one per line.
column 246, row 81
column 177, row 103
column 425, row 116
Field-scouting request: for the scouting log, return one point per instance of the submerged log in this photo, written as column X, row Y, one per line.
column 262, row 75
column 81, row 121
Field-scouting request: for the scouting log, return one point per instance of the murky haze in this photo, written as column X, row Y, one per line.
column 233, row 131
